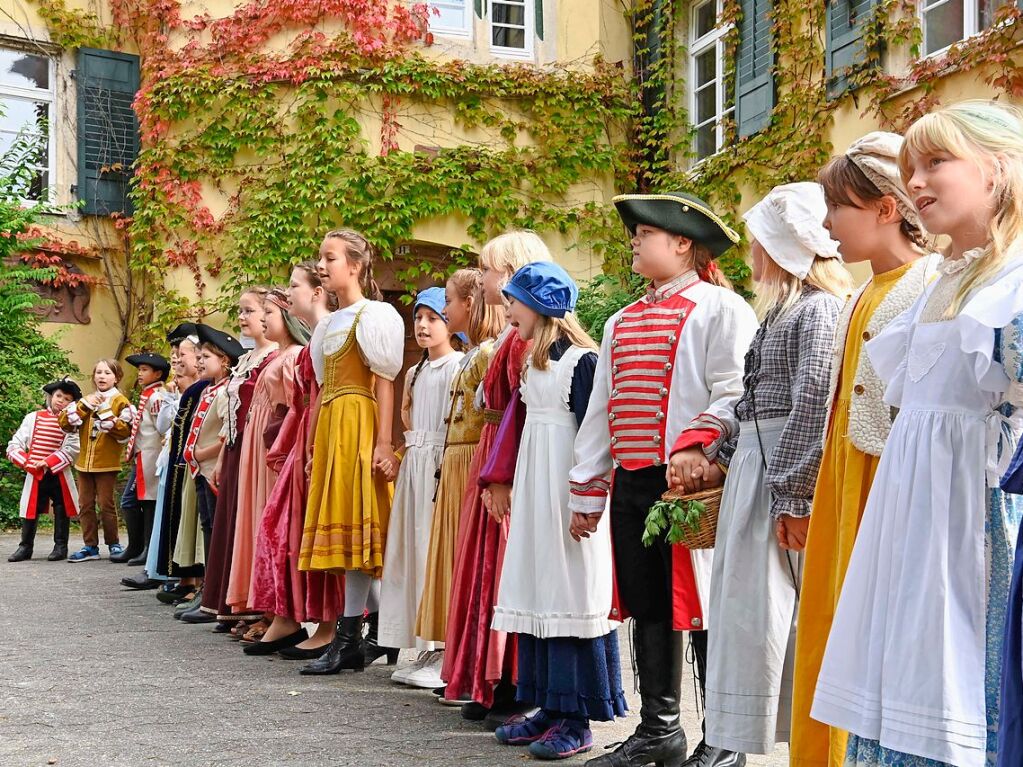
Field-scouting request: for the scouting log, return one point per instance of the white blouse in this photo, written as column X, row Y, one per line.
column 380, row 335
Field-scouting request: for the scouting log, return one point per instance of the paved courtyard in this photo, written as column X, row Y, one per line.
column 95, row 675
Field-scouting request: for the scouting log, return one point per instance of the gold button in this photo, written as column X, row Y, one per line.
column 696, row 622
column 866, row 335
column 858, row 388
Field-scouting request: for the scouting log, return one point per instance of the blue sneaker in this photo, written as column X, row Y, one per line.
column 116, row 549
column 85, row 554
column 563, row 739
column 522, row 730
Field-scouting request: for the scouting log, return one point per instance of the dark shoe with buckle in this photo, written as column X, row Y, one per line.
column 711, row 756
column 263, row 647
column 141, row 582
column 347, row 651
column 372, row 649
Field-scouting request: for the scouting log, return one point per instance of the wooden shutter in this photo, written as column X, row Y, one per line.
column 538, row 16
column 844, row 53
column 754, row 71
column 108, row 129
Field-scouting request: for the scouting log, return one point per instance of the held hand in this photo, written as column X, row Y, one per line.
column 582, row 525
column 385, row 461
column 500, row 501
column 171, row 386
column 689, row 469
column 715, row 476
column 94, row 399
column 106, row 425
column 791, row 532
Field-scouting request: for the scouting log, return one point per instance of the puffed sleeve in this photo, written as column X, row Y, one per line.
column 582, row 386
column 381, row 337
column 169, row 409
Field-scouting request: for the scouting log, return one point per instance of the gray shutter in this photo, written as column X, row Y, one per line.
column 754, row 71
column 478, row 5
column 538, row 11
column 108, row 129
column 843, row 53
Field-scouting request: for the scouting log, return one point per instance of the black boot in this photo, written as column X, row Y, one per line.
column 61, row 531
column 133, row 522
column 148, row 512
column 28, row 537
column 659, row 738
column 373, row 650
column 711, row 756
column 346, row 651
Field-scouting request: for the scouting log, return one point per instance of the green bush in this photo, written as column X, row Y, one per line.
column 604, row 295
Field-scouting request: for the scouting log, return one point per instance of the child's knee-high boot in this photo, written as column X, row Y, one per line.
column 61, row 531
column 28, row 537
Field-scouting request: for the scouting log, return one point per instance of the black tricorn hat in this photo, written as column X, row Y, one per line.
column 227, row 343
column 678, row 213
column 181, row 332
column 154, row 361
column 65, row 385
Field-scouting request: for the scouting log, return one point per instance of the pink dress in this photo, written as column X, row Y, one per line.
column 476, row 657
column 274, row 389
column 278, row 586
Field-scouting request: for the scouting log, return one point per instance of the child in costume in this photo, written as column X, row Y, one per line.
column 772, row 470
column 356, row 352
column 668, row 376
column 911, row 667
column 138, row 507
column 466, row 312
column 873, row 220
column 45, row 452
column 426, row 401
column 556, row 582
column 103, row 422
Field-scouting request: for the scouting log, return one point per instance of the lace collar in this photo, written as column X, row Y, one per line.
column 955, row 265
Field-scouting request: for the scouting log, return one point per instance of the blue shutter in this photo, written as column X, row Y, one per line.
column 754, row 71
column 844, row 53
column 108, row 129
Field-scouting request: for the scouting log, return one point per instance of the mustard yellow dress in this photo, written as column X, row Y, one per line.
column 464, row 425
column 843, row 484
column 346, row 517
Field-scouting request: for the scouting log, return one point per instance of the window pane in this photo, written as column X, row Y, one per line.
column 704, row 18
column 706, row 141
column 508, row 13
column 24, row 70
column 986, row 10
column 706, row 67
column 706, row 104
column 23, row 115
column 449, row 15
column 943, row 25
column 506, row 37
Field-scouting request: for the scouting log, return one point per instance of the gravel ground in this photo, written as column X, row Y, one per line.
column 93, row 674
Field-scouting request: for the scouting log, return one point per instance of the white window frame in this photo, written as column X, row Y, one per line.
column 464, row 31
column 715, row 39
column 529, row 9
column 971, row 24
column 49, row 97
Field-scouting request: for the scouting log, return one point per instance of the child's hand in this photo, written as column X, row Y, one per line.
column 385, row 461
column 689, row 469
column 791, row 532
column 498, row 500
column 94, row 399
column 582, row 525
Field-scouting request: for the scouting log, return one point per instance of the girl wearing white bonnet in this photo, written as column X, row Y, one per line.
column 873, row 221
column 773, row 461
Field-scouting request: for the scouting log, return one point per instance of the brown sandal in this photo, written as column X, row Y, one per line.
column 256, row 631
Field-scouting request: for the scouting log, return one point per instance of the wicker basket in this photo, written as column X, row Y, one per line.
column 704, row 538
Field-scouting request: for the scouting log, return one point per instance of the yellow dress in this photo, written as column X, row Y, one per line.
column 349, row 504
column 465, row 423
column 843, row 484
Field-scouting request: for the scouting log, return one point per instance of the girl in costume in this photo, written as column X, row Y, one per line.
column 426, row 401
column 773, row 463
column 873, row 220
column 356, row 352
column 467, row 312
column 555, row 590
column 911, row 667
column 478, row 658
column 103, row 422
column 270, row 400
column 278, row 586
column 668, row 376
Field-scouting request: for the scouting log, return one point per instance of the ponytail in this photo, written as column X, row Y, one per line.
column 706, row 267
column 360, row 252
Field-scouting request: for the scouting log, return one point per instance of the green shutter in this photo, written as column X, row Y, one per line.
column 108, row 129
column 843, row 53
column 479, row 9
column 538, row 9
column 754, row 71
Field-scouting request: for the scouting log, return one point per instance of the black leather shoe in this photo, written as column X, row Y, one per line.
column 345, row 652
column 59, row 553
column 20, row 554
column 169, row 594
column 711, row 756
column 141, row 582
column 196, row 616
column 140, row 559
column 263, row 647
column 299, row 653
column 28, row 536
column 474, row 712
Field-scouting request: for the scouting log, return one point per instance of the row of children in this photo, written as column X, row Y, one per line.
column 863, row 440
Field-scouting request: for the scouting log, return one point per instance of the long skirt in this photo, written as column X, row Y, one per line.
column 188, row 548
column 1010, row 726
column 753, row 603
column 579, row 677
column 218, row 568
column 862, row 752
column 152, row 556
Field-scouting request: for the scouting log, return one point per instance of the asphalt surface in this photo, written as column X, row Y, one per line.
column 99, row 676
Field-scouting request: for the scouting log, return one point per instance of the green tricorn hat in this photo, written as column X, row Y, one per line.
column 678, row 213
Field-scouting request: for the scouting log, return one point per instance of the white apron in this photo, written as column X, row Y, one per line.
column 551, row 586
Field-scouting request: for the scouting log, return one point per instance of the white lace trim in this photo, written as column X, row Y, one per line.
column 956, row 265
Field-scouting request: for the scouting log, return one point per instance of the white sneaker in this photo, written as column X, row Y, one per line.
column 428, row 675
column 401, row 675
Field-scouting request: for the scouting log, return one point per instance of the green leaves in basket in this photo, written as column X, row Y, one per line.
column 679, row 517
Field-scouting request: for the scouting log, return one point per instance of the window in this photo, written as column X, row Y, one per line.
column 708, row 101
column 27, row 102
column 511, row 27
column 451, row 17
column 946, row 22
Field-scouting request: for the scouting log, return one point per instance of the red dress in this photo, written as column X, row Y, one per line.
column 278, row 586
column 475, row 657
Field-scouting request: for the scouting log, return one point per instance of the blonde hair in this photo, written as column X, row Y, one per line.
column 484, row 321
column 511, row 251
column 778, row 290
column 988, row 134
column 548, row 331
